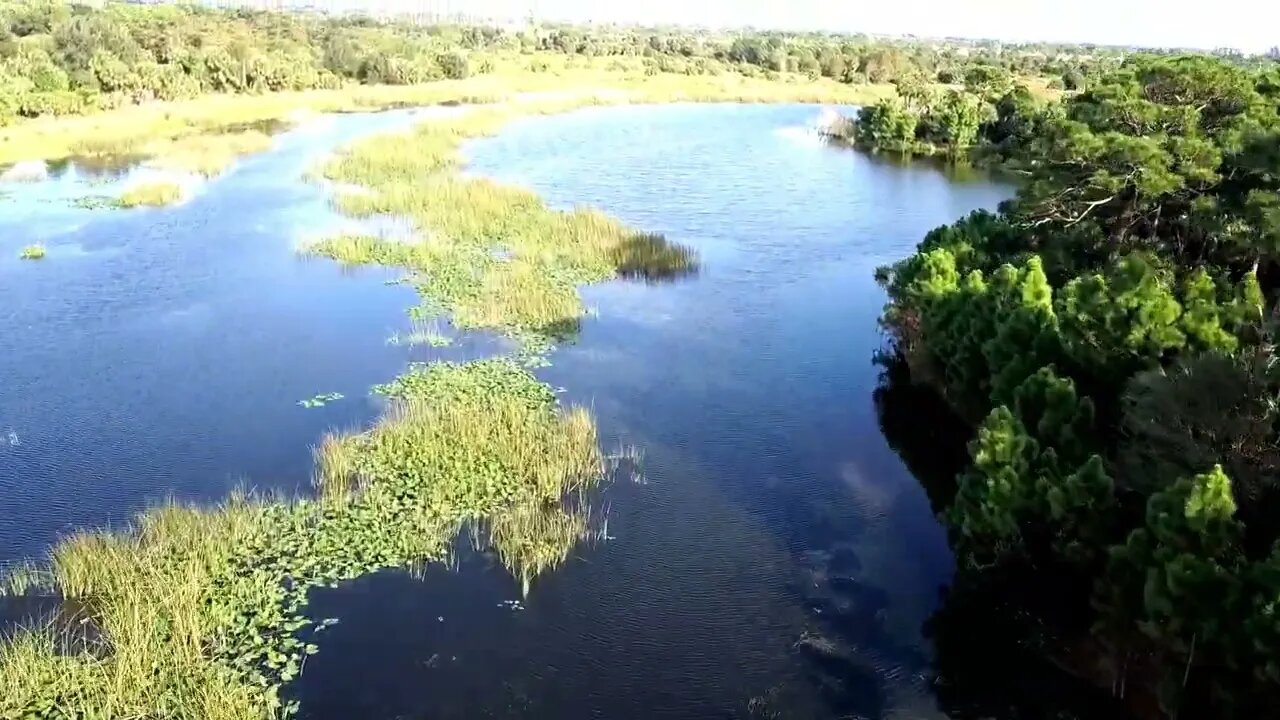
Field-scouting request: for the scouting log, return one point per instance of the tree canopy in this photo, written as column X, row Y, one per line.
column 1110, row 332
column 64, row 58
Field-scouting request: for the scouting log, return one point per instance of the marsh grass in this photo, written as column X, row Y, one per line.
column 130, row 129
column 200, row 613
column 207, row 154
column 654, row 259
column 35, row 251
column 151, row 194
column 422, row 332
column 491, row 256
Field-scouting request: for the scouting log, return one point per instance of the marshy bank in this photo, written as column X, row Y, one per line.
column 776, row 559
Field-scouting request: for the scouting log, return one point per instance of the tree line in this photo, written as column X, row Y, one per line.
column 58, row 58
column 1110, row 333
column 985, row 115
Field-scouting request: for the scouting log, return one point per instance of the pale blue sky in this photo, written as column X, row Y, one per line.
column 1252, row 25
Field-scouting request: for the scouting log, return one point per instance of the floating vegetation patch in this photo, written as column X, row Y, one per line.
column 316, row 401
column 654, row 259
column 33, row 252
column 210, row 154
column 151, row 194
column 201, row 613
column 96, row 202
column 489, row 255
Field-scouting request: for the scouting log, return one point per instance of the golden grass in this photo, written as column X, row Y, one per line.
column 490, row 255
column 145, row 591
column 207, row 155
column 149, row 129
column 153, row 194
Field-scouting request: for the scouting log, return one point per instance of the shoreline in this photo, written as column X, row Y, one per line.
column 125, row 130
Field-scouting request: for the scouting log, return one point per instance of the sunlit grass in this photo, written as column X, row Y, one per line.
column 146, row 591
column 490, row 255
column 147, row 129
column 207, row 155
column 152, row 194
column 202, row 153
column 422, row 332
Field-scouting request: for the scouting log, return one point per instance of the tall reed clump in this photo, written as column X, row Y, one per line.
column 202, row 613
column 490, row 255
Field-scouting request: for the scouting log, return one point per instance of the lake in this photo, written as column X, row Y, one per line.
column 775, row 558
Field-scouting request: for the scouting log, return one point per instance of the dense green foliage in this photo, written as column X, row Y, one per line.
column 992, row 110
column 58, row 58
column 1111, row 333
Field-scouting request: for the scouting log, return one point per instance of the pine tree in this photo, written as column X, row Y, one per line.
column 1179, row 577
column 994, row 494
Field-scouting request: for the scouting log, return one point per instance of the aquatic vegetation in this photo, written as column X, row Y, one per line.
column 199, row 151
column 491, row 256
column 96, row 202
column 33, row 252
column 422, row 332
column 206, row 154
column 152, row 194
column 158, row 129
column 653, row 258
column 321, row 400
column 201, row 613
column 348, row 249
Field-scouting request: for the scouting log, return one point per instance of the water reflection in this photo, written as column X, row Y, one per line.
column 95, row 167
column 66, row 621
column 655, row 259
column 921, row 428
column 1000, row 635
column 535, row 537
column 998, row 658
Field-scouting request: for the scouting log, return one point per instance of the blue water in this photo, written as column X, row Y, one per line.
column 777, row 560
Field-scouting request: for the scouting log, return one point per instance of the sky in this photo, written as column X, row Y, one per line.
column 1250, row 25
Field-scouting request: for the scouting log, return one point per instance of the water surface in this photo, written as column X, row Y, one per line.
column 776, row 560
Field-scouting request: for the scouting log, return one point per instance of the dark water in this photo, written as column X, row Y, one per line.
column 777, row 560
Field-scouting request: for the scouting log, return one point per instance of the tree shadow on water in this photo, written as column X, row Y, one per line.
column 995, row 650
column 929, row 437
column 998, row 635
